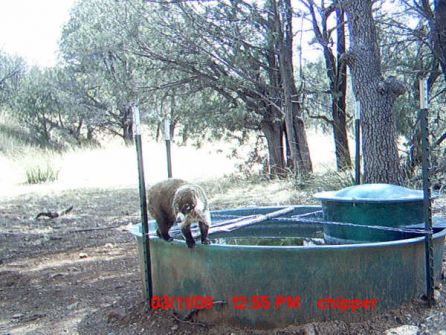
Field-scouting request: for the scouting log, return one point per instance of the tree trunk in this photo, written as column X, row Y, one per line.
column 439, row 34
column 273, row 126
column 376, row 95
column 273, row 132
column 296, row 134
column 304, row 158
column 288, row 161
column 336, row 73
column 339, row 108
column 90, row 133
column 127, row 124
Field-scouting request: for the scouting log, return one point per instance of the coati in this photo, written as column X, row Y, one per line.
column 175, row 200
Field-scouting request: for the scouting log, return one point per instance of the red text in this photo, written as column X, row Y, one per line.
column 351, row 305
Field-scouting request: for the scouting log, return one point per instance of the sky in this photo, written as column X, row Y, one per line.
column 31, row 28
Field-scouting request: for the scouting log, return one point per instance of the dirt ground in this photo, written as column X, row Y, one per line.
column 78, row 274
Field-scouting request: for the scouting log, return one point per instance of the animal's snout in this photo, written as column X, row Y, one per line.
column 194, row 214
column 203, row 216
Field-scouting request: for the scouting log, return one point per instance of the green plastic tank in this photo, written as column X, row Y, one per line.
column 370, row 204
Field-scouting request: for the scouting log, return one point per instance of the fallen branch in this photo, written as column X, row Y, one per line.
column 53, row 215
column 231, row 225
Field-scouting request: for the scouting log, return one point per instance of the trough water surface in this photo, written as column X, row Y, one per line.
column 271, row 241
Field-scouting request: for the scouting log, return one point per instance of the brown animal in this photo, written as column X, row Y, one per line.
column 175, row 200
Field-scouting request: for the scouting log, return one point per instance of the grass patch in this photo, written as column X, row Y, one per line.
column 239, row 191
column 41, row 174
column 331, row 180
column 40, row 167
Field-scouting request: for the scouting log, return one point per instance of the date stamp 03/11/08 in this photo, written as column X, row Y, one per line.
column 260, row 302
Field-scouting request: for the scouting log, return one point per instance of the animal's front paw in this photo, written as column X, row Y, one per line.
column 190, row 243
column 165, row 237
column 205, row 241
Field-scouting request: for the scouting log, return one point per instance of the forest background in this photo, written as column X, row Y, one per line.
column 261, row 73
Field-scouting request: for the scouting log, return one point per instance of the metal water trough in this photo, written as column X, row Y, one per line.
column 390, row 271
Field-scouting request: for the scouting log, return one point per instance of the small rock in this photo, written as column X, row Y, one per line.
column 438, row 286
column 116, row 314
column 55, row 238
column 83, row 255
column 108, row 246
column 174, row 327
column 73, row 306
column 57, row 275
column 403, row 330
column 17, row 316
column 436, row 295
column 309, row 330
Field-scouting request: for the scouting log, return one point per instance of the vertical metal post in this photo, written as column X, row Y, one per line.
column 424, row 105
column 357, row 142
column 168, row 152
column 143, row 204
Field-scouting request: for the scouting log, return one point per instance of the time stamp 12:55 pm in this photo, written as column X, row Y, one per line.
column 261, row 302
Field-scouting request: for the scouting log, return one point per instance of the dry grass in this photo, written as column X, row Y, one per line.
column 41, row 167
column 237, row 192
column 114, row 166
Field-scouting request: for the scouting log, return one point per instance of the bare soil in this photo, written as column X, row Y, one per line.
column 78, row 274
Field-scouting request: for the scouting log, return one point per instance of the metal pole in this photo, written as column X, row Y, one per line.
column 357, row 142
column 168, row 152
column 143, row 204
column 424, row 105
